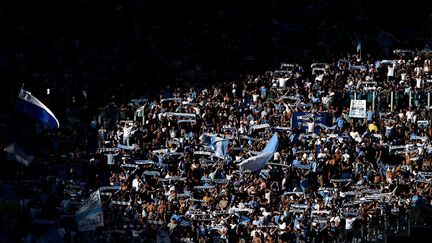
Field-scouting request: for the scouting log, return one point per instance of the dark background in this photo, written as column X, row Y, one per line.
column 132, row 48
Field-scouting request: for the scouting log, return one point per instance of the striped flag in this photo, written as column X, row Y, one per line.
column 31, row 118
column 31, row 106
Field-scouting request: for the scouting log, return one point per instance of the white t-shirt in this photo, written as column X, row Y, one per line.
column 418, row 82
column 276, row 156
column 255, row 97
column 197, row 110
column 349, row 222
column 409, row 115
column 282, row 226
column 282, row 82
column 336, row 220
column 135, row 184
column 310, row 127
column 253, row 233
column 354, row 134
column 417, row 70
column 390, row 71
column 127, row 131
column 267, row 196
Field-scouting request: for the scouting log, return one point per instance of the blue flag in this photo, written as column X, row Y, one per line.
column 31, row 106
column 32, row 118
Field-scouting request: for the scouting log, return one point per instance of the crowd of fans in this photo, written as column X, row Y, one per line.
column 333, row 176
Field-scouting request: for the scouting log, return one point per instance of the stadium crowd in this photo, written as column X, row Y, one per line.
column 334, row 177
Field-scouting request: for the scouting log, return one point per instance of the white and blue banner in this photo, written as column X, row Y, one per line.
column 300, row 120
column 171, row 99
column 125, row 147
column 217, row 144
column 260, row 126
column 185, row 121
column 144, row 162
column 179, row 114
column 326, row 127
column 220, row 146
column 256, row 162
column 90, row 215
column 30, row 105
column 358, row 109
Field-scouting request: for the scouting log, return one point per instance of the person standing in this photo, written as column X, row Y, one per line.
column 101, row 136
column 370, row 114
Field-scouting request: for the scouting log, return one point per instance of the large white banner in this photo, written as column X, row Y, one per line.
column 358, row 109
column 256, row 162
column 90, row 215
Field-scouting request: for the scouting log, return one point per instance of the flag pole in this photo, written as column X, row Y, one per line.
column 22, row 88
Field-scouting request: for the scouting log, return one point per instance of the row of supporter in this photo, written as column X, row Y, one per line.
column 277, row 156
column 315, row 151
